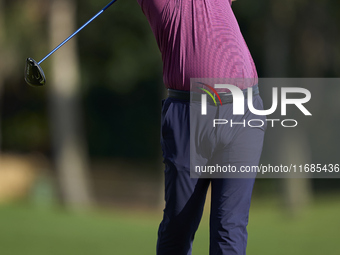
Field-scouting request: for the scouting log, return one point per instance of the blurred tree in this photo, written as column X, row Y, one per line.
column 299, row 42
column 24, row 124
column 2, row 46
column 69, row 146
column 293, row 148
column 121, row 79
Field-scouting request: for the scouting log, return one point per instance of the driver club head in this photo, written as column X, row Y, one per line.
column 34, row 75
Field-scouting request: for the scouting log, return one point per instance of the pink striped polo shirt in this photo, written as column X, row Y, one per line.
column 199, row 39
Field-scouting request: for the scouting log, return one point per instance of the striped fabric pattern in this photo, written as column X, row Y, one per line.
column 199, row 39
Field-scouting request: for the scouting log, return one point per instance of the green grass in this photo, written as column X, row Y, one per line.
column 315, row 231
column 25, row 230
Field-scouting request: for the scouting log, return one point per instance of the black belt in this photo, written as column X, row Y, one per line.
column 226, row 98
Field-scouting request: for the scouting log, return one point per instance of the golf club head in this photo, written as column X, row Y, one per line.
column 34, row 75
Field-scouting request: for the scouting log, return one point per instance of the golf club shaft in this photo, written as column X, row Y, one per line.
column 70, row 37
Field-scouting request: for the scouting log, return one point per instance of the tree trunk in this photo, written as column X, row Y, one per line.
column 68, row 140
column 293, row 149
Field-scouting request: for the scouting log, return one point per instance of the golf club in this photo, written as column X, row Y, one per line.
column 34, row 75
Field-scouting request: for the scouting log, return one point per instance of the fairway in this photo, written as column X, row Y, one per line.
column 31, row 231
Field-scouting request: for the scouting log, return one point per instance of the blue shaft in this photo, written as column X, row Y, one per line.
column 70, row 37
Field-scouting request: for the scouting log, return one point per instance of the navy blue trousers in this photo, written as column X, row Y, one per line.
column 185, row 196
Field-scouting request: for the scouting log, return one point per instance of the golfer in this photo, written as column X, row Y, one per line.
column 202, row 39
